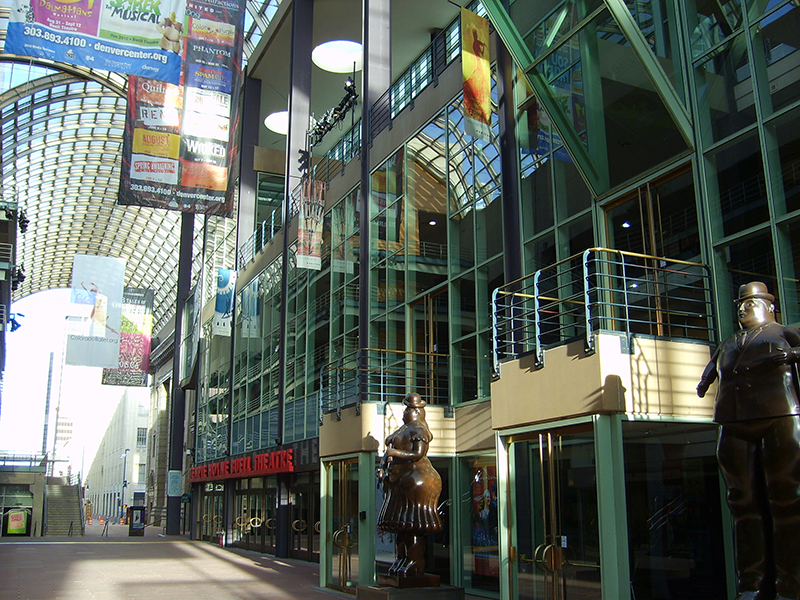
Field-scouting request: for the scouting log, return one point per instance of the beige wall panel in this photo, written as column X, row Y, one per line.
column 568, row 385
column 474, row 427
column 369, row 431
column 659, row 378
column 664, row 378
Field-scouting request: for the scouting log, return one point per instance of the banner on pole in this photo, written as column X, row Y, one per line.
column 136, row 37
column 180, row 148
column 97, row 284
column 477, row 75
column 134, row 344
column 223, row 307
column 309, row 224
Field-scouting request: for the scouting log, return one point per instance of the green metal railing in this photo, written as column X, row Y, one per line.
column 378, row 375
column 601, row 290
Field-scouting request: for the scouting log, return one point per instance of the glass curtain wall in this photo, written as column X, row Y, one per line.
column 213, row 396
column 436, row 255
column 748, row 133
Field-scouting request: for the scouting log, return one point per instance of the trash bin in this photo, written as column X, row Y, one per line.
column 136, row 520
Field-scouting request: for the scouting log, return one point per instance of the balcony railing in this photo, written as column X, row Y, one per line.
column 383, row 376
column 601, row 290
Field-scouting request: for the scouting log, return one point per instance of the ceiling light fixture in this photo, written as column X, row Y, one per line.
column 278, row 122
column 338, row 56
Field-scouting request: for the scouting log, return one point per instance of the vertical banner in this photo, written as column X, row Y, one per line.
column 309, row 225
column 223, row 307
column 180, row 144
column 126, row 36
column 134, row 343
column 477, row 75
column 249, row 310
column 97, row 284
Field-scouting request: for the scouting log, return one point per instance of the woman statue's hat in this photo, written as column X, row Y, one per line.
column 414, row 400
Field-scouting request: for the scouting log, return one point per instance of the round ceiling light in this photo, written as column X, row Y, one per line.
column 278, row 122
column 338, row 56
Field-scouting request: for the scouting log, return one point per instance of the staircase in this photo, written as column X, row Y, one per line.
column 63, row 508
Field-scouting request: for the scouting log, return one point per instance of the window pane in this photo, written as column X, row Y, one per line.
column 737, row 194
column 673, row 502
column 725, row 86
column 787, row 136
column 779, row 37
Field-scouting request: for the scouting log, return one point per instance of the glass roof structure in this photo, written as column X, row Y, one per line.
column 61, row 132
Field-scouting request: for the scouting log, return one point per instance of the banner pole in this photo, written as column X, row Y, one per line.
column 177, row 397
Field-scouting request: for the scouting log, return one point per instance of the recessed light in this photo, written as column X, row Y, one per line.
column 431, row 222
column 278, row 122
column 338, row 56
column 626, row 225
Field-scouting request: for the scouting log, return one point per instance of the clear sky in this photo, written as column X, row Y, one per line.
column 82, row 398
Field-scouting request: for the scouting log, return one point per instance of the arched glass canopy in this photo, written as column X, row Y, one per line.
column 61, row 132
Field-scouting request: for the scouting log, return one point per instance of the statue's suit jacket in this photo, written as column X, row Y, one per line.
column 751, row 387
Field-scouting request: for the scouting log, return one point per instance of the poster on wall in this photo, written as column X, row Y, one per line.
column 123, row 36
column 17, row 522
column 477, row 75
column 179, row 147
column 223, row 306
column 94, row 335
column 309, row 225
column 134, row 344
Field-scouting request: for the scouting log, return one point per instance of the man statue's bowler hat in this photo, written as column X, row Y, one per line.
column 754, row 289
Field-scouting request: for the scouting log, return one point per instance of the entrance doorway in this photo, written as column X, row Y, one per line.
column 211, row 513
column 305, row 525
column 556, row 511
column 344, row 552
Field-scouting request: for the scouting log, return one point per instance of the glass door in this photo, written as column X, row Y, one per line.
column 269, row 524
column 344, row 553
column 241, row 523
column 305, row 525
column 210, row 524
column 556, row 512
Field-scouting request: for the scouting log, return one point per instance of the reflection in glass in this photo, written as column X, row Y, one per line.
column 777, row 36
column 791, row 268
column 749, row 259
column 786, row 132
column 674, row 510
column 725, row 91
column 712, row 22
column 480, row 550
column 737, row 192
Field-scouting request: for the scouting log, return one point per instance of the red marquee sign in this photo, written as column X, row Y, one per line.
column 279, row 461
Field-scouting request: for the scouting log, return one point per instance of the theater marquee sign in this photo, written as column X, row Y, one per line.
column 268, row 463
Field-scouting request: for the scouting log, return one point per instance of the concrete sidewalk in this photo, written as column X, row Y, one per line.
column 152, row 567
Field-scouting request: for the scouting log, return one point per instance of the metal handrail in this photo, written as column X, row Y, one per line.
column 601, row 289
column 382, row 375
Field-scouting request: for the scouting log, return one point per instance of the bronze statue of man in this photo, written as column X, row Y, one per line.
column 412, row 487
column 758, row 410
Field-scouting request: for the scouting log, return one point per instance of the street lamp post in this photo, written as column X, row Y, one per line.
column 124, row 458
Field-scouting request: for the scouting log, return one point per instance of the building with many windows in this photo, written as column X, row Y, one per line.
column 553, row 292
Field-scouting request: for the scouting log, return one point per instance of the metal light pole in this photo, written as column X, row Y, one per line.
column 124, row 458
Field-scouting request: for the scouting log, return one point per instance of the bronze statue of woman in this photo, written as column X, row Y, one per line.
column 411, row 490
